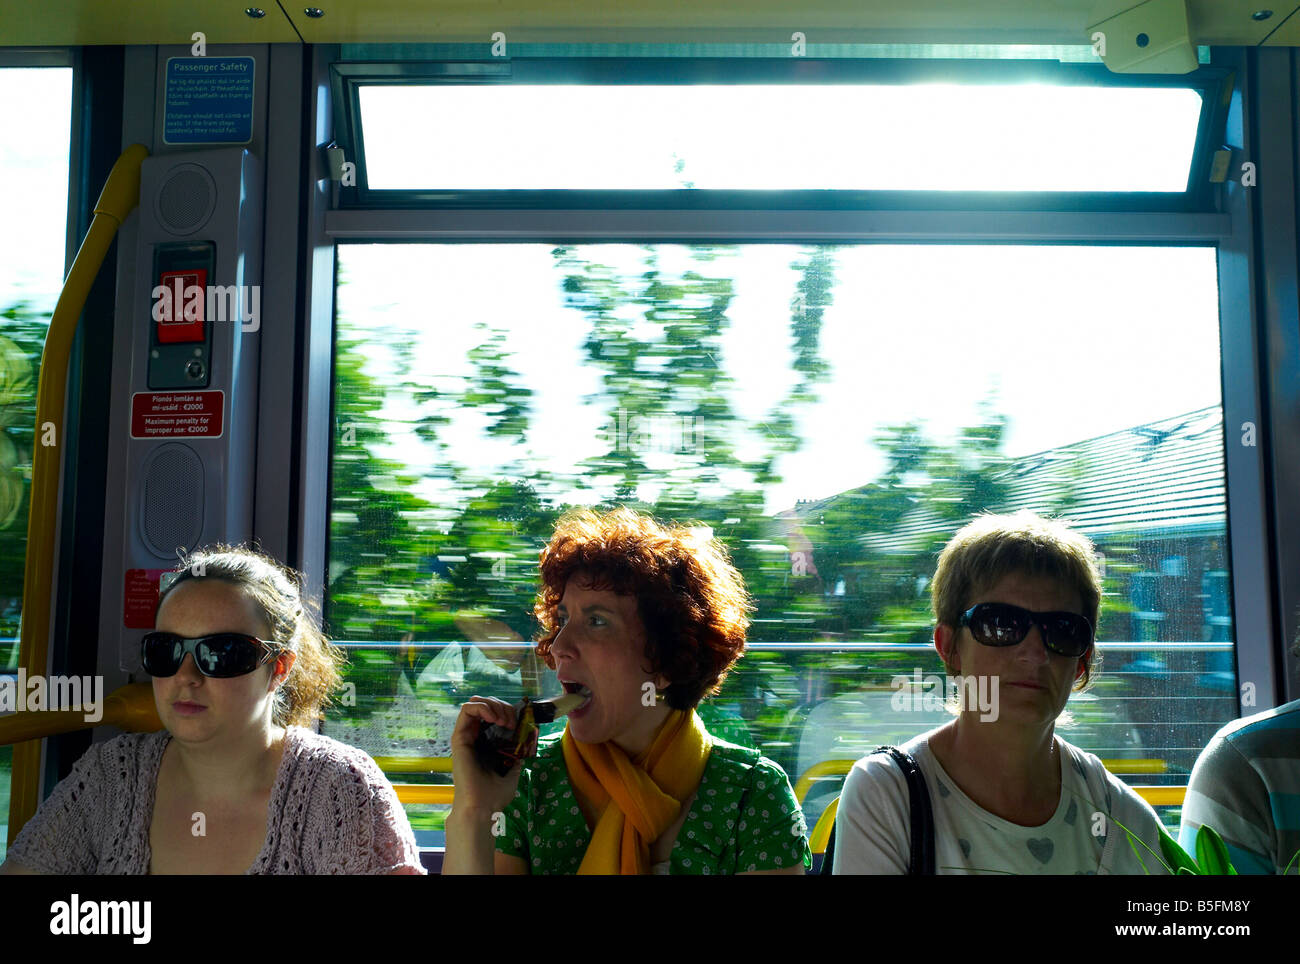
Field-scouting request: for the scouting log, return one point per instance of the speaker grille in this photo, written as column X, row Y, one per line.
column 186, row 200
column 173, row 500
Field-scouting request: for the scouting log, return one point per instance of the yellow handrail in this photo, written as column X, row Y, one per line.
column 419, row 793
column 1136, row 766
column 415, row 793
column 1156, row 796
column 1161, row 796
column 821, row 834
column 414, row 764
column 817, row 840
column 119, row 198
column 130, row 708
column 838, row 768
column 827, row 768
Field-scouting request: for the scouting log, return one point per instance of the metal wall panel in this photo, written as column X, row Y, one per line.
column 1276, row 227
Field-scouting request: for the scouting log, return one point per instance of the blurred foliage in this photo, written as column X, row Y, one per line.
column 464, row 571
column 22, row 339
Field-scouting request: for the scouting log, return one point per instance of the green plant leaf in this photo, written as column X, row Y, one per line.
column 1176, row 856
column 1287, row 869
column 1212, row 852
column 1134, row 840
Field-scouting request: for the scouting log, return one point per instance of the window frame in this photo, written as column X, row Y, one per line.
column 1218, row 214
column 1214, row 83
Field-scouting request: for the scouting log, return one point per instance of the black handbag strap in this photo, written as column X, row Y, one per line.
column 922, row 818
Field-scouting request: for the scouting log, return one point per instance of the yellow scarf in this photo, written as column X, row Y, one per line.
column 637, row 799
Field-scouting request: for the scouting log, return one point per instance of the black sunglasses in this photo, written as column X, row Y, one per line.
column 1001, row 624
column 220, row 656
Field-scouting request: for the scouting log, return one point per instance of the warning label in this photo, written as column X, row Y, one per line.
column 141, row 597
column 209, row 100
column 177, row 414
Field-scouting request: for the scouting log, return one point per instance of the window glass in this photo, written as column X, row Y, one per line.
column 833, row 414
column 37, row 102
column 938, row 136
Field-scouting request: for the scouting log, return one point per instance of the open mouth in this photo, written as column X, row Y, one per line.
column 573, row 687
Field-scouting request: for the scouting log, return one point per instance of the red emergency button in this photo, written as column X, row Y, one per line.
column 179, row 309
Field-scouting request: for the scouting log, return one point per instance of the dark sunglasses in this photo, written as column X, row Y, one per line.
column 1001, row 624
column 220, row 656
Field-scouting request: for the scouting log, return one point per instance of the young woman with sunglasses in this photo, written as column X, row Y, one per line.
column 235, row 782
column 1016, row 601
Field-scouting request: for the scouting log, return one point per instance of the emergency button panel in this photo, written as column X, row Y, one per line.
column 180, row 331
column 180, row 309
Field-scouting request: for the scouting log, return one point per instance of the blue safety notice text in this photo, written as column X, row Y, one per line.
column 209, row 100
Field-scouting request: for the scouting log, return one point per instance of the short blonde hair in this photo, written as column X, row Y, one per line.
column 991, row 547
column 277, row 591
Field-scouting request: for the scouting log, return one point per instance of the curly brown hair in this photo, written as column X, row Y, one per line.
column 690, row 598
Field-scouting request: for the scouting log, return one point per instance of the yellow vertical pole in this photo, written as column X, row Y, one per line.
column 119, row 198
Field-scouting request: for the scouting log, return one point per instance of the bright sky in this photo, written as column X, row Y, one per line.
column 918, row 136
column 36, row 116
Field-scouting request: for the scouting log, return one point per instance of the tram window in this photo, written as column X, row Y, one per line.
column 934, row 136
column 34, row 171
column 833, row 414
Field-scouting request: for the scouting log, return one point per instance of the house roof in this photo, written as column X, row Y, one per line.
column 1161, row 477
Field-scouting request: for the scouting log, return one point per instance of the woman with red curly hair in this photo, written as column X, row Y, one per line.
column 644, row 621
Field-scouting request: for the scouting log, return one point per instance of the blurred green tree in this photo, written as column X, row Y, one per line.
column 22, row 340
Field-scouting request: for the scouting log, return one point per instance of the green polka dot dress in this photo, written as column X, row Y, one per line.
column 744, row 818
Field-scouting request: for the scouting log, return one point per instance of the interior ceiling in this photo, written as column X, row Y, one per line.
column 76, row 22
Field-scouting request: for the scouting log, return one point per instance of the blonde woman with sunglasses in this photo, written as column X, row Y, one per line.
column 1016, row 601
column 236, row 782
